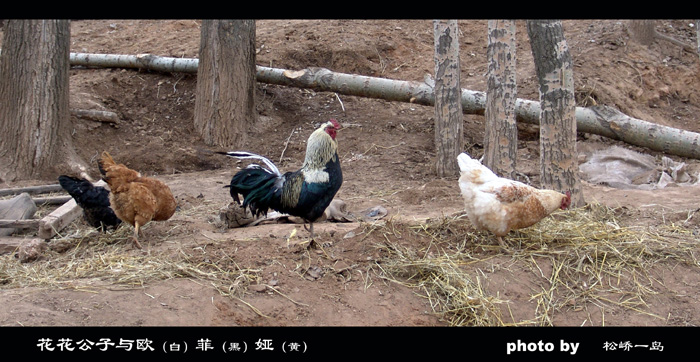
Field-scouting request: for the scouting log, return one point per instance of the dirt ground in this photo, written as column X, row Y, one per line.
column 386, row 150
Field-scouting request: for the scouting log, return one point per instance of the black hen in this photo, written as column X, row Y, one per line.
column 305, row 193
column 94, row 200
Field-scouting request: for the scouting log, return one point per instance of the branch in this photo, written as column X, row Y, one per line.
column 95, row 115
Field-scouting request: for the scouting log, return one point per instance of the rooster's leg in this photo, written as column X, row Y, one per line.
column 310, row 229
column 136, row 235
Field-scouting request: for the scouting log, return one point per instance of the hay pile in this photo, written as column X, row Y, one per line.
column 88, row 260
column 582, row 256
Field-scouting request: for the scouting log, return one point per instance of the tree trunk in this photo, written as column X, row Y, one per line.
column 697, row 36
column 501, row 136
column 34, row 121
column 642, row 31
column 554, row 68
column 225, row 103
column 448, row 98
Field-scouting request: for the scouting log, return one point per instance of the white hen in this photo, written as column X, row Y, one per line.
column 500, row 205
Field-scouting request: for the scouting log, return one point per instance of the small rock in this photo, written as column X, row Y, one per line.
column 31, row 250
column 314, row 273
column 233, row 216
column 258, row 288
column 60, row 246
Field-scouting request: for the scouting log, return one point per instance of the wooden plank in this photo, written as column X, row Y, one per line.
column 31, row 190
column 19, row 224
column 9, row 244
column 54, row 222
column 51, row 200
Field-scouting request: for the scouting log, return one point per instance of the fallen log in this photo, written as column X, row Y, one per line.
column 95, row 115
column 139, row 61
column 601, row 120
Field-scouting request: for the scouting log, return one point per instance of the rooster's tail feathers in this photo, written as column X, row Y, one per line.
column 259, row 187
column 248, row 155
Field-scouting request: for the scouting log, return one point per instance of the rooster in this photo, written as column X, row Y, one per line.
column 134, row 198
column 305, row 193
column 94, row 200
column 500, row 205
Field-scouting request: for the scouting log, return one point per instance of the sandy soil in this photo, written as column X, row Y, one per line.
column 386, row 152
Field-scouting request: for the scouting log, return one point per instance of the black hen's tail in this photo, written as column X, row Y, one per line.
column 94, row 200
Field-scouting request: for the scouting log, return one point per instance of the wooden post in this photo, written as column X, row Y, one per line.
column 501, row 134
column 448, row 98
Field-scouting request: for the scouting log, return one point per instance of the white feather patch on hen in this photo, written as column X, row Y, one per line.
column 315, row 176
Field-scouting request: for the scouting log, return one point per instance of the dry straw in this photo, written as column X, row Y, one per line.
column 88, row 260
column 578, row 257
column 594, row 260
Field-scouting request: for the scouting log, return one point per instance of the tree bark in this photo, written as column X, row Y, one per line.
column 448, row 98
column 501, row 135
column 554, row 68
column 225, row 102
column 34, row 121
column 697, row 36
column 642, row 31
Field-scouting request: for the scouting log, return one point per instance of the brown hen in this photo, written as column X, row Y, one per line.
column 136, row 199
